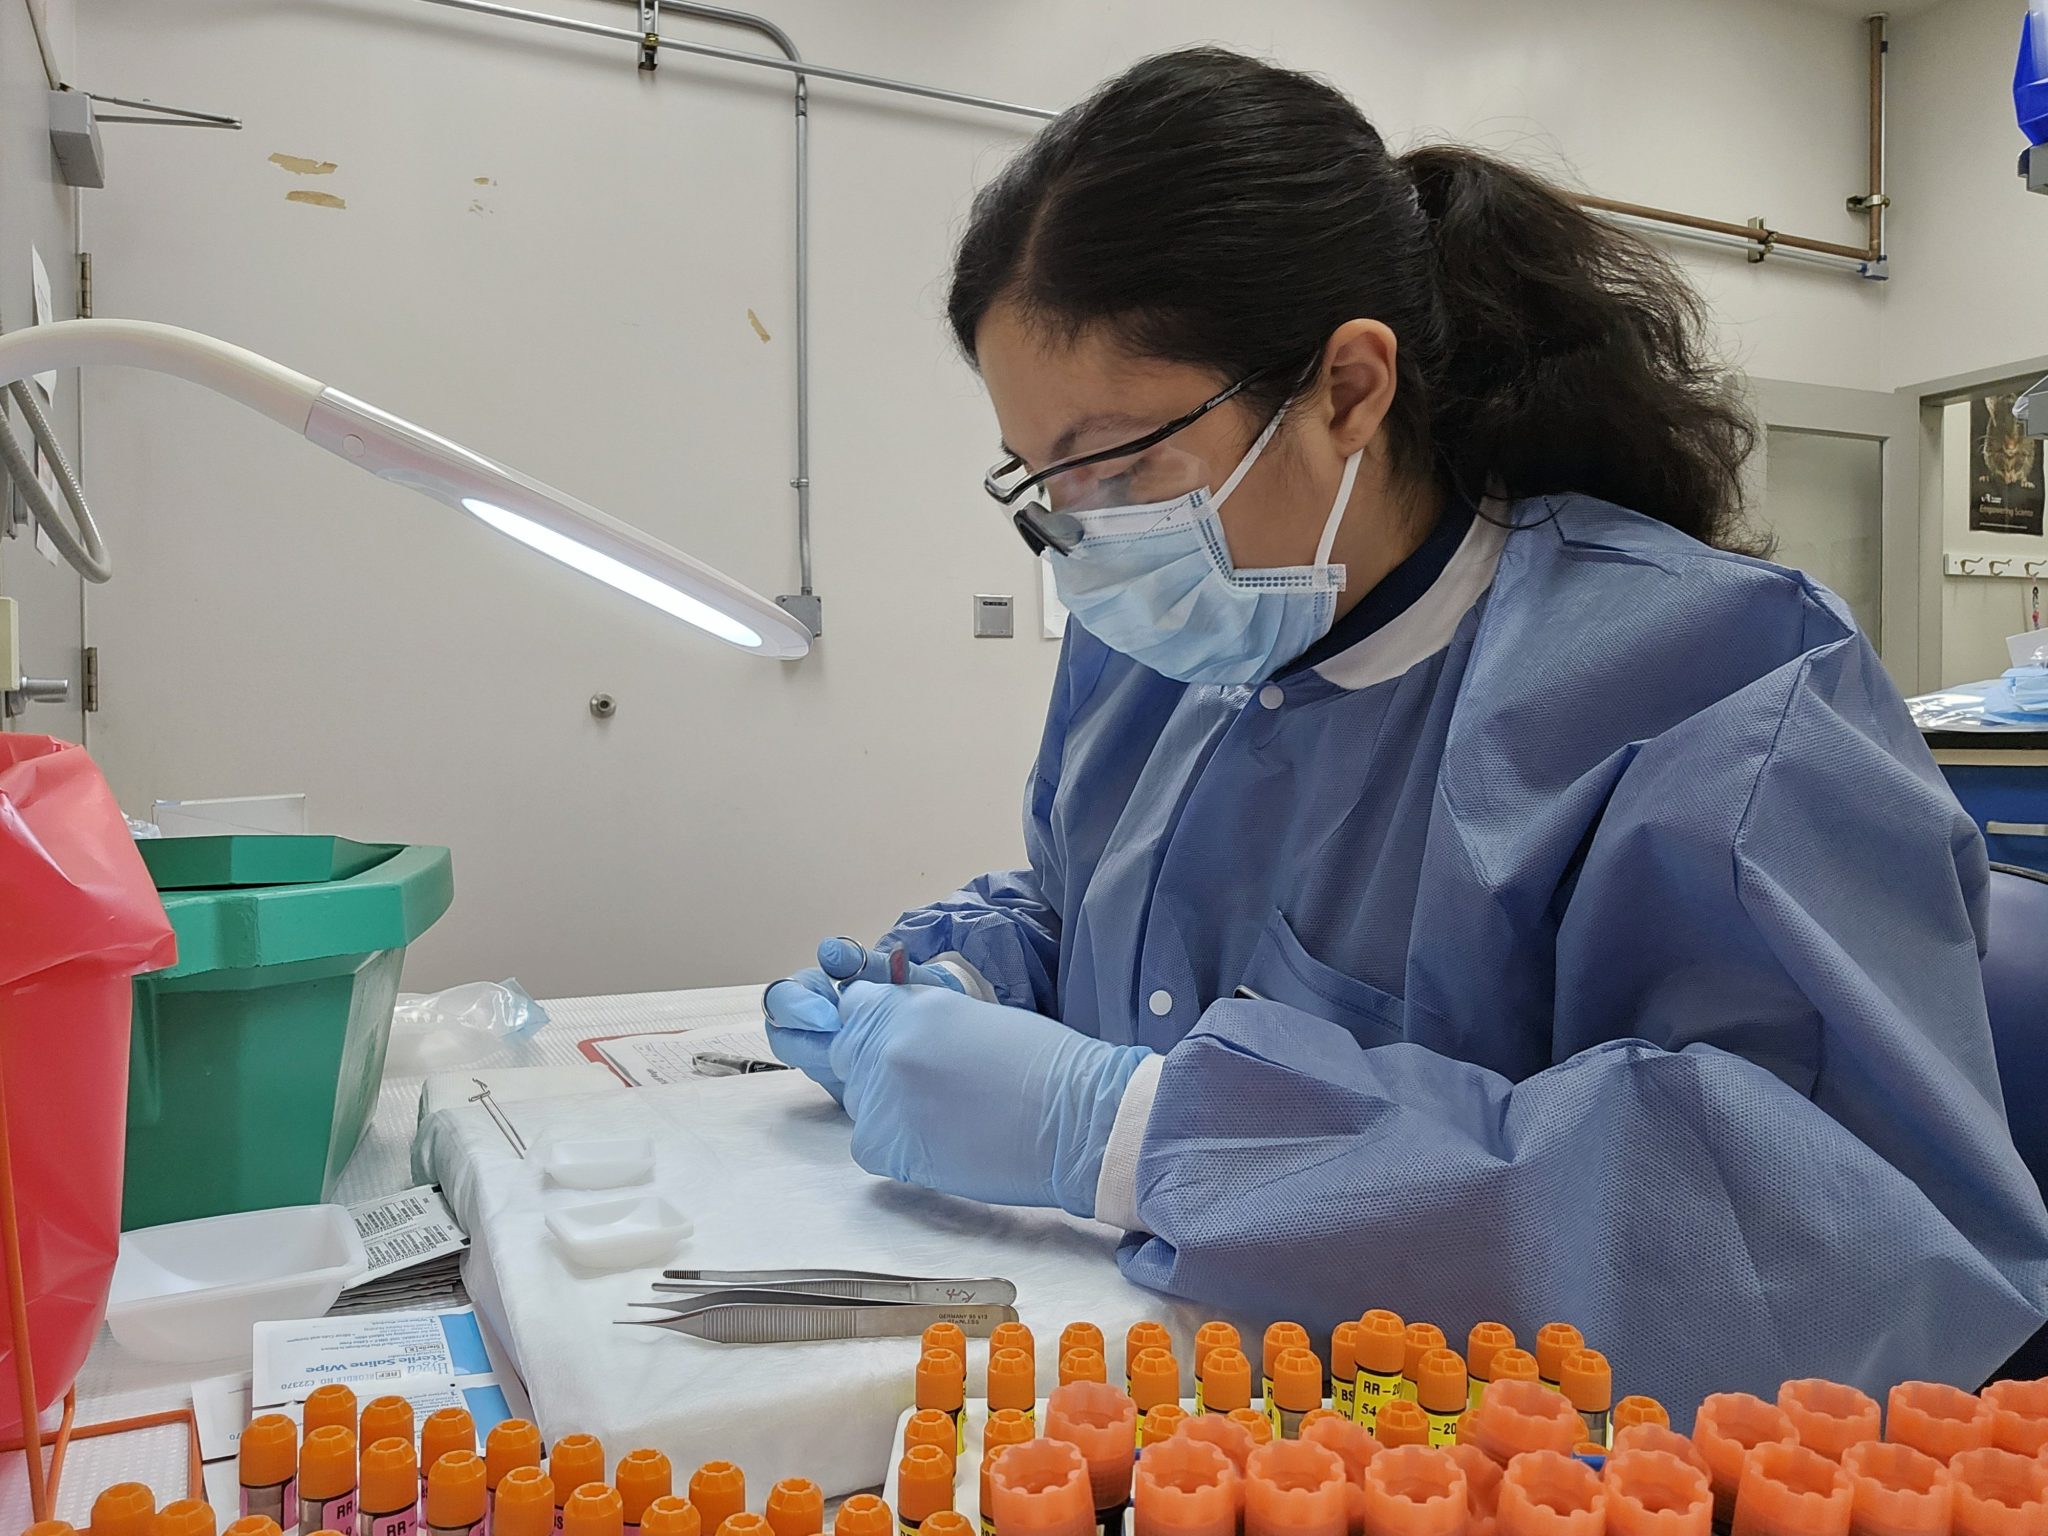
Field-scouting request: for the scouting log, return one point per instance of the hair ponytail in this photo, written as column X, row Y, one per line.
column 1211, row 209
column 1575, row 356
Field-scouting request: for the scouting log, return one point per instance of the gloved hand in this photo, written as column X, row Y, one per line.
column 803, row 1010
column 975, row 1099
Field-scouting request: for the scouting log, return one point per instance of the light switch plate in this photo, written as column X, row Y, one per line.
column 995, row 616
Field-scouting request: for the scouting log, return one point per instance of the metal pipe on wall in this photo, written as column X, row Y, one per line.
column 1755, row 238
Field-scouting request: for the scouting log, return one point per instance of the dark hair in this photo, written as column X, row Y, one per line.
column 1208, row 208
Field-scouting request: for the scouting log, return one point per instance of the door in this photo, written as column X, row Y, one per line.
column 1836, row 479
column 37, row 213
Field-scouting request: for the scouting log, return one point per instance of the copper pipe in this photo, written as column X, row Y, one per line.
column 1766, row 238
column 1877, row 61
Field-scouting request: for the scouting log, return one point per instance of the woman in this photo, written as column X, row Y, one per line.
column 1461, row 879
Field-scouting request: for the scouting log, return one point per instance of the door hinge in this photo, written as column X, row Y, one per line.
column 92, row 679
column 85, row 285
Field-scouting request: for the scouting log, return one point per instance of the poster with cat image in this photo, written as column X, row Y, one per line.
column 2006, row 482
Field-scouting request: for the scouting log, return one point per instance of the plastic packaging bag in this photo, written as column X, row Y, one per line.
column 79, row 916
column 433, row 1031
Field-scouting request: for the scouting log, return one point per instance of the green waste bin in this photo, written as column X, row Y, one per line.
column 256, row 1059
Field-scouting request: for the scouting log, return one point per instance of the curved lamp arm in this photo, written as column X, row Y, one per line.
column 392, row 448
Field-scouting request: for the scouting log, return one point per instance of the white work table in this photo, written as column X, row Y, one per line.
column 115, row 1384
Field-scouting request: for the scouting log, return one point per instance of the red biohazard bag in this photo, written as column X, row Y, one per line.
column 78, row 917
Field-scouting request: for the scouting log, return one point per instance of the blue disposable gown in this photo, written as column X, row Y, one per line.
column 1596, row 941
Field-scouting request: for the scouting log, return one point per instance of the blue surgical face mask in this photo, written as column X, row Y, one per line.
column 1156, row 582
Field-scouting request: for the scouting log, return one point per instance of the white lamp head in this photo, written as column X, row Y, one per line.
column 558, row 525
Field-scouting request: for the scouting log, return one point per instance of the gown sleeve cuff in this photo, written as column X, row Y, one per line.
column 972, row 982
column 1116, row 1190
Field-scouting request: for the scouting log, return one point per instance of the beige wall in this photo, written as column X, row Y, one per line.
column 282, row 622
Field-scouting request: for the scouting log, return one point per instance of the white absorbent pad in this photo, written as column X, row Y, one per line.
column 762, row 1166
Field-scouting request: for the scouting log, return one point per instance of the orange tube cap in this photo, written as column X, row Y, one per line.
column 1788, row 1490
column 1938, row 1419
column 1416, row 1490
column 795, row 1506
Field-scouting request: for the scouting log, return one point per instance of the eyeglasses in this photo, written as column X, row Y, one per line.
column 1044, row 506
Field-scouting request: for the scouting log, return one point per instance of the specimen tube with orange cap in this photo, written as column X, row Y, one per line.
column 1662, row 1438
column 745, row 1523
column 946, row 1522
column 1083, row 1336
column 1998, row 1493
column 1653, row 1493
column 1209, row 1338
column 594, row 1510
column 1441, row 1393
column 1139, row 1338
column 388, row 1492
column 1381, row 1344
column 268, row 1469
column 924, row 1486
column 1482, row 1483
column 1279, row 1337
column 1897, row 1490
column 1003, row 1429
column 1828, row 1416
column 575, row 1460
column 674, row 1515
column 1638, row 1409
column 1727, row 1428
column 1296, row 1488
column 1401, row 1422
column 794, row 1507
column 1344, row 1369
column 1355, row 1447
column 928, row 1426
column 511, row 1444
column 385, row 1418
column 1553, row 1342
column 190, row 1517
column 861, row 1515
column 1101, row 1423
column 1223, row 1432
column 1485, row 1341
column 1042, row 1488
column 1416, row 1490
column 1587, row 1381
column 641, row 1477
column 1294, row 1387
column 1417, row 1340
column 1227, row 1380
column 523, row 1504
column 455, row 1493
column 1155, row 1379
column 1185, row 1488
column 2019, row 1415
column 1255, row 1424
column 445, row 1430
column 1083, row 1365
column 1938, row 1419
column 1544, row 1493
column 125, row 1509
column 248, row 1525
column 942, row 1384
column 1518, row 1416
column 719, row 1490
column 1787, row 1490
column 1514, row 1365
column 1012, row 1383
column 329, row 1403
column 938, row 1336
column 1013, row 1336
column 1160, row 1424
column 327, row 1478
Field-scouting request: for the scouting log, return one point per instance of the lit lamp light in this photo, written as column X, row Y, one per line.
column 392, row 448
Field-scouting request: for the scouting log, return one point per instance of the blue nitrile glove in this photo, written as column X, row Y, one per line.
column 803, row 1010
column 975, row 1099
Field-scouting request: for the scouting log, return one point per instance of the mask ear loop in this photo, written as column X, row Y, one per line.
column 1251, row 457
column 1337, row 511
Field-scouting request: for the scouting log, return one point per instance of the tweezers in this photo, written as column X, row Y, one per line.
column 784, row 1317
column 853, row 1284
